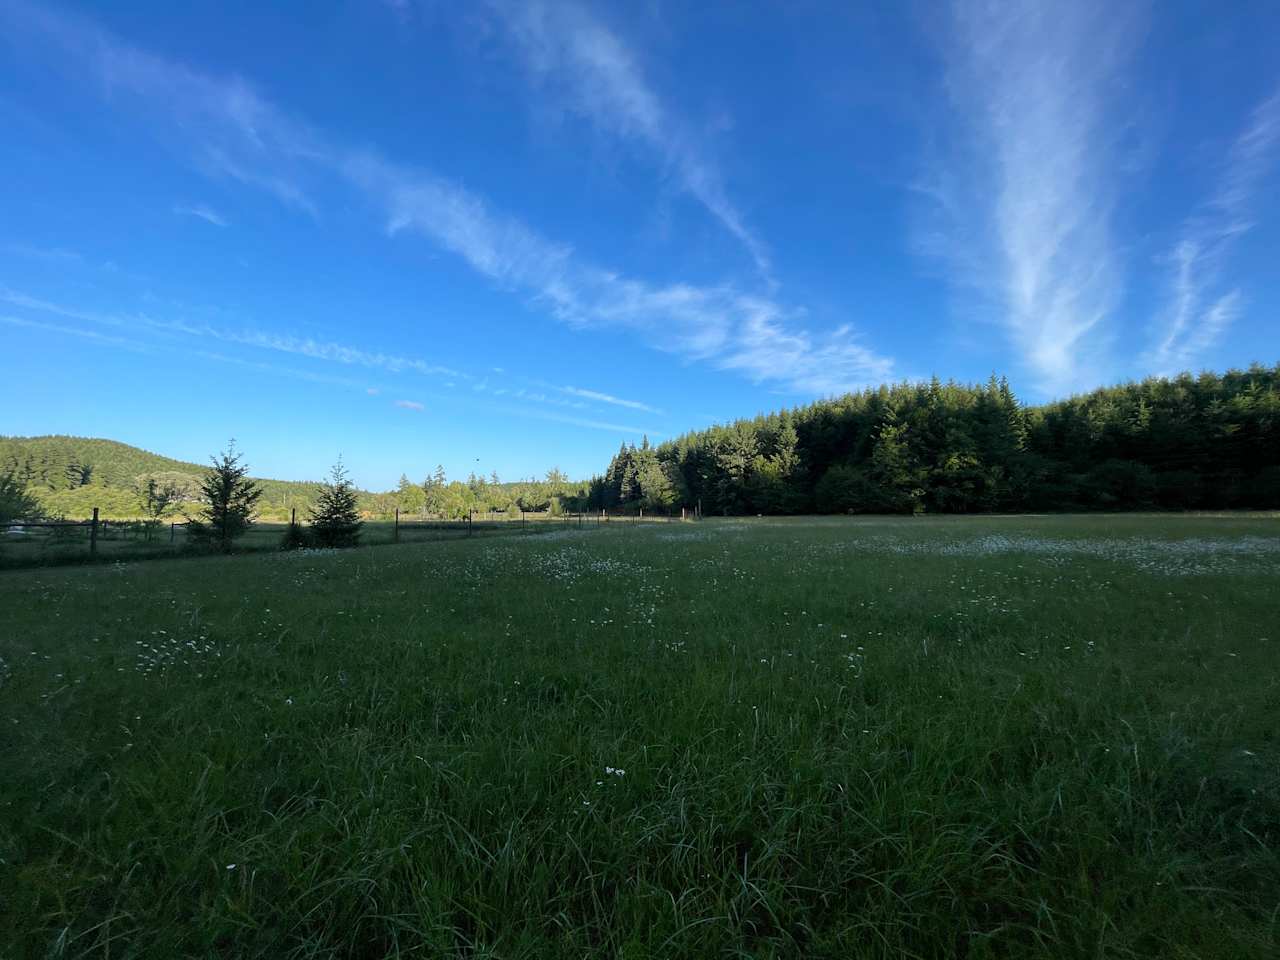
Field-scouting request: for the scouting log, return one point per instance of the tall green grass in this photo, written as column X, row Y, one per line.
column 129, row 540
column 999, row 737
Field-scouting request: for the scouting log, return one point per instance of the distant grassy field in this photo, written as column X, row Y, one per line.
column 959, row 737
column 124, row 540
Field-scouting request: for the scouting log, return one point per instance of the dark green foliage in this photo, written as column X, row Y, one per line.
column 1210, row 442
column 295, row 537
column 229, row 498
column 78, row 474
column 846, row 489
column 438, row 497
column 15, row 502
column 335, row 518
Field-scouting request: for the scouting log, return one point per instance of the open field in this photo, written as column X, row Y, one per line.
column 34, row 545
column 971, row 737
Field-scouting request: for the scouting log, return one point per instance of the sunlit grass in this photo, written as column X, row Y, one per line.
column 834, row 738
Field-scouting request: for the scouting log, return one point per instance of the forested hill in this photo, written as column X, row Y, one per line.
column 72, row 475
column 69, row 476
column 1206, row 442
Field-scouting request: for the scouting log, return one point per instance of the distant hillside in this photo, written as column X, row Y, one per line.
column 72, row 475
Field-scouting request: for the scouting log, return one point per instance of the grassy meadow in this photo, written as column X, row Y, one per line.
column 844, row 738
column 36, row 546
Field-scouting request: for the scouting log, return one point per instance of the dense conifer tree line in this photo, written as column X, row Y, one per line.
column 1206, row 442
column 1191, row 442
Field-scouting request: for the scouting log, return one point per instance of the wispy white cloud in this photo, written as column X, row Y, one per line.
column 249, row 138
column 80, row 332
column 136, row 345
column 752, row 335
column 57, row 254
column 1199, row 311
column 825, row 364
column 608, row 398
column 335, row 352
column 17, row 298
column 138, row 332
column 204, row 213
column 222, row 125
column 1023, row 189
column 279, row 343
column 537, row 396
column 580, row 421
column 274, row 369
column 570, row 51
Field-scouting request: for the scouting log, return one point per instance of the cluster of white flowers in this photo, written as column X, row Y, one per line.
column 1189, row 556
column 307, row 552
column 570, row 564
column 571, row 533
column 163, row 651
column 686, row 534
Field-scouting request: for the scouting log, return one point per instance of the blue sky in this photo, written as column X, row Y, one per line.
column 504, row 236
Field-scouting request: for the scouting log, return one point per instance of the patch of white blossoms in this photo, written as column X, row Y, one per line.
column 165, row 650
column 1191, row 556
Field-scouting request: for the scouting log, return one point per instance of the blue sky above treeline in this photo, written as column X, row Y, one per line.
column 506, row 236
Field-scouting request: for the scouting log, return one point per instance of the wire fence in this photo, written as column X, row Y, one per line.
column 47, row 542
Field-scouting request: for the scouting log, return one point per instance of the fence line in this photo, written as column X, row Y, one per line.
column 98, row 528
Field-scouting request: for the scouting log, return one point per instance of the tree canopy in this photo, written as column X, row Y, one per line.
column 228, row 502
column 1210, row 442
column 1188, row 442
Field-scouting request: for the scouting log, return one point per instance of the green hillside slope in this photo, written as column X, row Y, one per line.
column 72, row 475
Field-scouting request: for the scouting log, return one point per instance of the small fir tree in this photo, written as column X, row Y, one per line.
column 228, row 498
column 295, row 537
column 335, row 520
column 15, row 502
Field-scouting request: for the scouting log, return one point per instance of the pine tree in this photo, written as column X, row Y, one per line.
column 654, row 481
column 335, row 518
column 894, row 468
column 629, row 478
column 229, row 497
column 15, row 502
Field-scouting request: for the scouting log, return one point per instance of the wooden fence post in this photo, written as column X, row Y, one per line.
column 173, row 530
column 93, row 534
column 469, row 512
column 395, row 535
